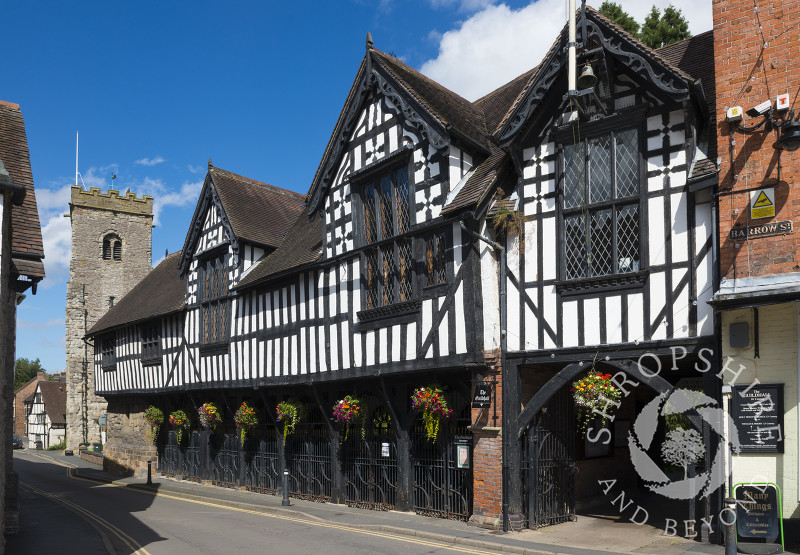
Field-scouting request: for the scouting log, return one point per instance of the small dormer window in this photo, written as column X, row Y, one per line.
column 112, row 247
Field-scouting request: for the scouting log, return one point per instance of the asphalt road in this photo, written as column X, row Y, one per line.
column 64, row 514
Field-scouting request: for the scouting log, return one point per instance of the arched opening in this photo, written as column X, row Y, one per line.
column 112, row 247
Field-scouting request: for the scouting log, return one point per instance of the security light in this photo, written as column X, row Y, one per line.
column 789, row 138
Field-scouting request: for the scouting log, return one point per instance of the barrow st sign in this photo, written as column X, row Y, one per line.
column 763, row 230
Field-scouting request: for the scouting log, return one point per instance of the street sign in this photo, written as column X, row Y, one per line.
column 762, row 203
column 758, row 515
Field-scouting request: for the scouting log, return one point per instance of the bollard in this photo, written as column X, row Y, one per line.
column 285, row 501
column 149, row 472
column 730, row 529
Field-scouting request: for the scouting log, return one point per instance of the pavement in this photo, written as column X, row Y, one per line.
column 590, row 534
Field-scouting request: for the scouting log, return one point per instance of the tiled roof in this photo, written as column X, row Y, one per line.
column 495, row 105
column 160, row 292
column 303, row 245
column 442, row 103
column 259, row 213
column 54, row 397
column 480, row 183
column 27, row 231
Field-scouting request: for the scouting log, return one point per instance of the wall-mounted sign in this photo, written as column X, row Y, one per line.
column 756, row 231
column 483, row 395
column 384, row 449
column 758, row 415
column 762, row 203
column 758, row 514
column 463, row 445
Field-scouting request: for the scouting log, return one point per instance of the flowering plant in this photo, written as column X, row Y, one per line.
column 245, row 419
column 431, row 402
column 349, row 410
column 155, row 417
column 179, row 420
column 209, row 415
column 288, row 412
column 594, row 391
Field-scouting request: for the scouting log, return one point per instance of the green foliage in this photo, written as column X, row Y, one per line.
column 58, row 446
column 508, row 221
column 25, row 370
column 615, row 13
column 660, row 30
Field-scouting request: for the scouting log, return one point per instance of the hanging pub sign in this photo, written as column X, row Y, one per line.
column 483, row 395
column 758, row 515
column 758, row 415
column 762, row 203
column 763, row 230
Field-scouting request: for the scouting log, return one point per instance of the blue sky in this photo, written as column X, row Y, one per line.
column 157, row 88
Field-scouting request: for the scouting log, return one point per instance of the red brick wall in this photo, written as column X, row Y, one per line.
column 487, row 452
column 748, row 73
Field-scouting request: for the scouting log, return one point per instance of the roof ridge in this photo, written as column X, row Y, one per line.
column 252, row 181
column 506, row 85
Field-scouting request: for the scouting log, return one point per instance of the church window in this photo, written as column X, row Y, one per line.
column 112, row 247
column 388, row 256
column 601, row 205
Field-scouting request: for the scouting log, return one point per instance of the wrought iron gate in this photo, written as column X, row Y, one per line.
column 308, row 458
column 191, row 466
column 441, row 489
column 549, row 463
column 225, row 460
column 170, row 461
column 370, row 465
column 262, row 473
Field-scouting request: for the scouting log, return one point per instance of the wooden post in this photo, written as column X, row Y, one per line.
column 405, row 468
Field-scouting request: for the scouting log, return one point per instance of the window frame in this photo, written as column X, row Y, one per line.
column 608, row 127
column 108, row 358
column 150, row 336
column 111, row 250
column 217, row 304
column 401, row 239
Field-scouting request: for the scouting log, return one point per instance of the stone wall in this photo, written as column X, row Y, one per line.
column 130, row 444
column 94, row 284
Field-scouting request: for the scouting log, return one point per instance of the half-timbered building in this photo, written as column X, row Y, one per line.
column 511, row 243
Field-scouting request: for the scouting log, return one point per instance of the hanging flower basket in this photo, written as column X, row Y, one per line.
column 349, row 411
column 179, row 421
column 431, row 403
column 594, row 391
column 245, row 419
column 288, row 412
column 209, row 415
column 154, row 417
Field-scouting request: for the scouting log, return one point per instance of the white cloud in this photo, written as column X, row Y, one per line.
column 466, row 6
column 497, row 44
column 57, row 238
column 163, row 197
column 196, row 169
column 41, row 326
column 150, row 161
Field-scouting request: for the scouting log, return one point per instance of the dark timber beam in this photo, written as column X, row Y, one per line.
column 405, row 468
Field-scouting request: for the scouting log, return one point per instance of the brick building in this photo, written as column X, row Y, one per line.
column 757, row 59
column 111, row 252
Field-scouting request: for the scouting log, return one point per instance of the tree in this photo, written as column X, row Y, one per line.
column 615, row 13
column 658, row 30
column 25, row 370
column 683, row 448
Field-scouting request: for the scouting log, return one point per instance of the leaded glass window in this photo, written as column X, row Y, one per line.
column 435, row 260
column 388, row 258
column 108, row 359
column 601, row 207
column 151, row 343
column 214, row 301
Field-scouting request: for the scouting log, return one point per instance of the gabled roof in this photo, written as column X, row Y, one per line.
column 303, row 245
column 161, row 292
column 26, row 240
column 440, row 114
column 251, row 211
column 54, row 397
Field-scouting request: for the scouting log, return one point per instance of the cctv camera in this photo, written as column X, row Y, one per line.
column 760, row 109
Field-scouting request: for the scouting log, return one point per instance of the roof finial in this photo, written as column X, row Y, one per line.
column 369, row 40
column 210, row 165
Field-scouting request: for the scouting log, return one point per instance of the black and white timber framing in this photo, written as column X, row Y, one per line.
column 312, row 323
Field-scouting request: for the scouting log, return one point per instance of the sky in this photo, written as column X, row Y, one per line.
column 155, row 89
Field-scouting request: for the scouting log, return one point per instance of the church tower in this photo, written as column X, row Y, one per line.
column 111, row 253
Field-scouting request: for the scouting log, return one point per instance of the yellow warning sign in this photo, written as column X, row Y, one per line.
column 762, row 204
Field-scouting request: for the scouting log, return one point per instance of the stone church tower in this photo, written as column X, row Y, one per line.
column 111, row 252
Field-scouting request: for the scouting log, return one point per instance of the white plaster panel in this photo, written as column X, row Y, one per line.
column 680, row 308
column 549, row 245
column 550, row 312
column 657, row 301
column 444, row 335
column 613, row 320
column 570, row 327
column 411, row 341
column 591, row 321
column 680, row 228
column 635, row 317
column 531, row 259
column 383, row 342
column 657, row 244
column 396, row 343
column 461, row 321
